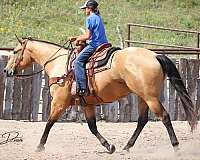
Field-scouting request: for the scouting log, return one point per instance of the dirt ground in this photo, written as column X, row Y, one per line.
column 72, row 141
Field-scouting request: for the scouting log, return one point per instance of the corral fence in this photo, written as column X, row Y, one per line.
column 29, row 99
column 167, row 49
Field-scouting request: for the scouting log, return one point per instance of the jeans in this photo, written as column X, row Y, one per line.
column 79, row 66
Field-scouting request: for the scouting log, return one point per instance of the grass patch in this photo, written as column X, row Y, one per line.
column 54, row 20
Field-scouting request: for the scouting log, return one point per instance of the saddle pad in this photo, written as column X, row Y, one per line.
column 104, row 64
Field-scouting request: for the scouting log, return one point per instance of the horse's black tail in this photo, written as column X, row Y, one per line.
column 170, row 69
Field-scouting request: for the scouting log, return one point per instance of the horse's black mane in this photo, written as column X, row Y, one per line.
column 43, row 41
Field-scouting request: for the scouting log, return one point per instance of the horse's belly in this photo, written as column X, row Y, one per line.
column 113, row 91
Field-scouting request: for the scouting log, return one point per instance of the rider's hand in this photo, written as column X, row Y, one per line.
column 77, row 42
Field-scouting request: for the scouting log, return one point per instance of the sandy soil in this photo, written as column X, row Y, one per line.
column 72, row 141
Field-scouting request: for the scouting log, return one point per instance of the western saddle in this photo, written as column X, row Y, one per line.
column 99, row 61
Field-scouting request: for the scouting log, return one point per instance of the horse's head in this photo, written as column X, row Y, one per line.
column 20, row 59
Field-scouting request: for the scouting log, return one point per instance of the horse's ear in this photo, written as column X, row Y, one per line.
column 19, row 40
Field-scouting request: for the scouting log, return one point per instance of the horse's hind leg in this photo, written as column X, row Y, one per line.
column 156, row 107
column 91, row 120
column 142, row 120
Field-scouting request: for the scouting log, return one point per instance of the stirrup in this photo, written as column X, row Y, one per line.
column 83, row 92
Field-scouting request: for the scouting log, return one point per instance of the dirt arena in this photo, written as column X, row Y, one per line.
column 72, row 141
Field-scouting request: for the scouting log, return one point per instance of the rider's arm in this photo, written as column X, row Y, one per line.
column 81, row 38
column 84, row 37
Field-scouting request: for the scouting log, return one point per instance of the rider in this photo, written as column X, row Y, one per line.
column 95, row 33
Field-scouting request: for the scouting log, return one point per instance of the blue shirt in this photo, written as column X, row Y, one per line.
column 95, row 25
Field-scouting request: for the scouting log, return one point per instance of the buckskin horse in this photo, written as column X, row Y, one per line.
column 133, row 70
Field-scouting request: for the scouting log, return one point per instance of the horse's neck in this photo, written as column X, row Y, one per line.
column 46, row 52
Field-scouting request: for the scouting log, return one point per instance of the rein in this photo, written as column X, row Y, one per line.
column 26, row 76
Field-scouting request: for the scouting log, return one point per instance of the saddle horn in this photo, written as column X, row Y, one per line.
column 19, row 40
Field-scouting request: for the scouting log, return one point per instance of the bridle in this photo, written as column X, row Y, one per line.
column 19, row 58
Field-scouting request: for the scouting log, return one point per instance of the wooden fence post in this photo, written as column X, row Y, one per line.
column 71, row 114
column 110, row 111
column 2, row 84
column 124, row 110
column 17, row 99
column 9, row 85
column 198, row 98
column 192, row 76
column 26, row 95
column 98, row 112
column 36, row 90
column 128, row 108
column 133, row 102
column 46, row 100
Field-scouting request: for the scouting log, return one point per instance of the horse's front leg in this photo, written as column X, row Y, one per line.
column 91, row 120
column 59, row 104
column 54, row 116
column 43, row 140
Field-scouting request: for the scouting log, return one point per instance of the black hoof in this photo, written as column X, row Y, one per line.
column 176, row 148
column 40, row 148
column 177, row 152
column 126, row 148
column 111, row 149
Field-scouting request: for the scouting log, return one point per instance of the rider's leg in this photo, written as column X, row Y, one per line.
column 79, row 64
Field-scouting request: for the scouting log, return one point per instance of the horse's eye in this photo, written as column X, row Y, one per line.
column 16, row 51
